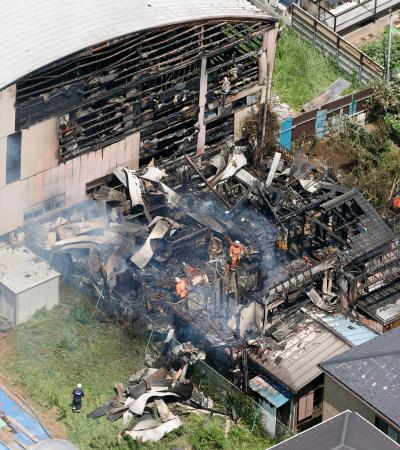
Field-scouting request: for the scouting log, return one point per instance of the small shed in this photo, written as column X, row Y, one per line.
column 27, row 284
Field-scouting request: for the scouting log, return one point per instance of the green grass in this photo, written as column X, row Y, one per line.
column 67, row 345
column 301, row 72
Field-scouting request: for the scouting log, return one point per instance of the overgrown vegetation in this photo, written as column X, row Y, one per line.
column 301, row 72
column 262, row 139
column 378, row 50
column 67, row 345
column 368, row 156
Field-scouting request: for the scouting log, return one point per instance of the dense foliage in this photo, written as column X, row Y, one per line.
column 378, row 50
column 371, row 152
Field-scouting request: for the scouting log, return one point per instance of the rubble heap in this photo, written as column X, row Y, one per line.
column 154, row 399
column 310, row 245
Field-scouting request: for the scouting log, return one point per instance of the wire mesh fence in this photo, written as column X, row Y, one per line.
column 213, row 383
column 151, row 334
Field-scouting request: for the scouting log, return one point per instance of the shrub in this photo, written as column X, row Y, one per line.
column 385, row 99
column 208, row 437
column 392, row 122
column 378, row 50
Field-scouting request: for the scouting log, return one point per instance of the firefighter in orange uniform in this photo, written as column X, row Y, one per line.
column 181, row 288
column 236, row 251
column 396, row 201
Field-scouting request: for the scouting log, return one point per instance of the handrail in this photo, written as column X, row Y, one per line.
column 374, row 11
column 336, row 40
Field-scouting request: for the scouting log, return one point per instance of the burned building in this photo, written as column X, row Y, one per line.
column 89, row 87
column 313, row 251
column 127, row 162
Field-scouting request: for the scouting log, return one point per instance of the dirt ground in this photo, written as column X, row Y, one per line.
column 46, row 417
column 370, row 31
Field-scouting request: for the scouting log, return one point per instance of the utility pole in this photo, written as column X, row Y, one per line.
column 390, row 43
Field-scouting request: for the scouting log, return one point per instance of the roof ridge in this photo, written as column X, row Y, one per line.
column 338, row 360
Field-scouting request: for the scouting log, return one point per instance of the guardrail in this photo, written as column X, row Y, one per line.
column 348, row 57
column 349, row 16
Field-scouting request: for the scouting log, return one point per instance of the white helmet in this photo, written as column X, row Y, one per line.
column 177, row 280
column 79, row 385
column 237, row 242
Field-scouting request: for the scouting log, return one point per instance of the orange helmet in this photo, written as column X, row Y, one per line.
column 396, row 202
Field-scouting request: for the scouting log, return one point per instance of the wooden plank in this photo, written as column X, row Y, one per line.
column 22, row 428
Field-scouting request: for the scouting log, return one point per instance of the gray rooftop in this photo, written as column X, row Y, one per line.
column 21, row 269
column 372, row 372
column 36, row 33
column 295, row 362
column 346, row 431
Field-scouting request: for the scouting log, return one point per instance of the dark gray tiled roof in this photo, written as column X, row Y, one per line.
column 372, row 371
column 346, row 431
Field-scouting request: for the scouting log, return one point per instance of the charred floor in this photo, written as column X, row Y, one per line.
column 315, row 254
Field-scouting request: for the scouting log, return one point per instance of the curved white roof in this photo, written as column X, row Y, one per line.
column 34, row 33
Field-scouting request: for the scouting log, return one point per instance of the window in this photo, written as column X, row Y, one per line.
column 13, row 162
column 306, row 406
column 43, row 208
column 387, row 429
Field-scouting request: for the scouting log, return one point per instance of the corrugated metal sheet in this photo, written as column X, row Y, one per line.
column 303, row 353
column 265, row 390
column 36, row 33
column 54, row 444
column 352, row 331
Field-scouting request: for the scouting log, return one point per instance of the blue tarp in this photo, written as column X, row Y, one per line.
column 320, row 123
column 10, row 408
column 265, row 390
column 285, row 137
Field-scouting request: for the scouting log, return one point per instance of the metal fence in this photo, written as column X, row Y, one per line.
column 222, row 389
column 315, row 124
column 147, row 332
column 348, row 16
column 348, row 57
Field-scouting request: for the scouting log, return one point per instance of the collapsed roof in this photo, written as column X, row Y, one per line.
column 309, row 246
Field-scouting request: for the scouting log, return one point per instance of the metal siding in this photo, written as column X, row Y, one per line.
column 320, row 123
column 23, row 306
column 7, row 304
column 52, row 293
column 44, row 295
column 285, row 138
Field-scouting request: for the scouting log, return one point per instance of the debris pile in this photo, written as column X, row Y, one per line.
column 154, row 399
column 155, row 244
column 135, row 235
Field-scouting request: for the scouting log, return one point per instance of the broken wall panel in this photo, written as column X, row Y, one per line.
column 146, row 82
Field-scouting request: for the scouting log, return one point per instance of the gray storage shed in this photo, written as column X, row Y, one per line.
column 27, row 284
